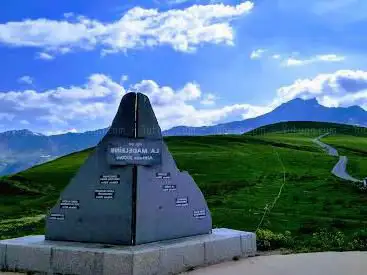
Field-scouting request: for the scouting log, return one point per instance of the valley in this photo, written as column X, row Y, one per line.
column 274, row 180
column 21, row 149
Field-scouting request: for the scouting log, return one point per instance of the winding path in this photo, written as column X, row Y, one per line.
column 340, row 169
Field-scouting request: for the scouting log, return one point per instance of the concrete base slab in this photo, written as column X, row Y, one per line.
column 35, row 254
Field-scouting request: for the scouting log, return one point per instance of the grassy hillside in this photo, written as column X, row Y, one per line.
column 349, row 140
column 356, row 150
column 278, row 181
column 310, row 128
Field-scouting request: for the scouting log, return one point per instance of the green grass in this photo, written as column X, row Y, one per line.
column 310, row 128
column 241, row 177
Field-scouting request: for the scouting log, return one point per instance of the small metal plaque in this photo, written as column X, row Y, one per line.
column 182, row 202
column 58, row 217
column 69, row 204
column 199, row 213
column 104, row 194
column 109, row 179
column 162, row 175
column 169, row 187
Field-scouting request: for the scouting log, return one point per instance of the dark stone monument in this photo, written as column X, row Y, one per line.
column 129, row 191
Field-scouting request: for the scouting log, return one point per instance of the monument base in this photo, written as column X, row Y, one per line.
column 35, row 254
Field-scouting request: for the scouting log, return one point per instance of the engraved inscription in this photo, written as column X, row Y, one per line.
column 133, row 151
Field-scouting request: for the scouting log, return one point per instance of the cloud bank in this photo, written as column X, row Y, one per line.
column 182, row 29
column 342, row 88
column 318, row 58
column 291, row 60
column 94, row 104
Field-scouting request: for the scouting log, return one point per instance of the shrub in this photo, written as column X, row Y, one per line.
column 326, row 241
column 268, row 240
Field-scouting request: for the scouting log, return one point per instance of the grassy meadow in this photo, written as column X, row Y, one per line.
column 274, row 180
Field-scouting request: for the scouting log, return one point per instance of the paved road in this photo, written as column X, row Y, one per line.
column 330, row 150
column 325, row 263
column 333, row 263
column 340, row 169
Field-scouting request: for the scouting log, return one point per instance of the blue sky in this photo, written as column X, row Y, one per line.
column 66, row 65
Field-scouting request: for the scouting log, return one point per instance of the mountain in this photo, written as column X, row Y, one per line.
column 294, row 110
column 21, row 149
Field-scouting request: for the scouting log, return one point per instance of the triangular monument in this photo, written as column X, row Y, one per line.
column 129, row 191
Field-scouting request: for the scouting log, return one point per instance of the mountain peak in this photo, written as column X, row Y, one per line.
column 297, row 105
column 22, row 132
column 298, row 100
column 356, row 108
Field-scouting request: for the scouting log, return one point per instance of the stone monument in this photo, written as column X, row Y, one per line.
column 128, row 210
column 130, row 191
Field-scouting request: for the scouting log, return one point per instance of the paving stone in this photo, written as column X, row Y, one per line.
column 77, row 261
column 179, row 257
column 220, row 247
column 24, row 258
column 248, row 240
column 2, row 255
column 117, row 263
column 146, row 259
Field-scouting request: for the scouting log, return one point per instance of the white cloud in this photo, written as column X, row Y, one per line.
column 44, row 56
column 330, row 58
column 343, row 88
column 318, row 58
column 176, row 2
column 57, row 109
column 295, row 62
column 256, row 54
column 294, row 59
column 60, row 132
column 24, row 122
column 64, row 50
column 182, row 29
column 68, row 14
column 209, row 99
column 93, row 105
column 26, row 79
column 6, row 116
column 123, row 79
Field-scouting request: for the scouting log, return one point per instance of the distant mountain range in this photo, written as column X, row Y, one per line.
column 21, row 149
column 294, row 110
